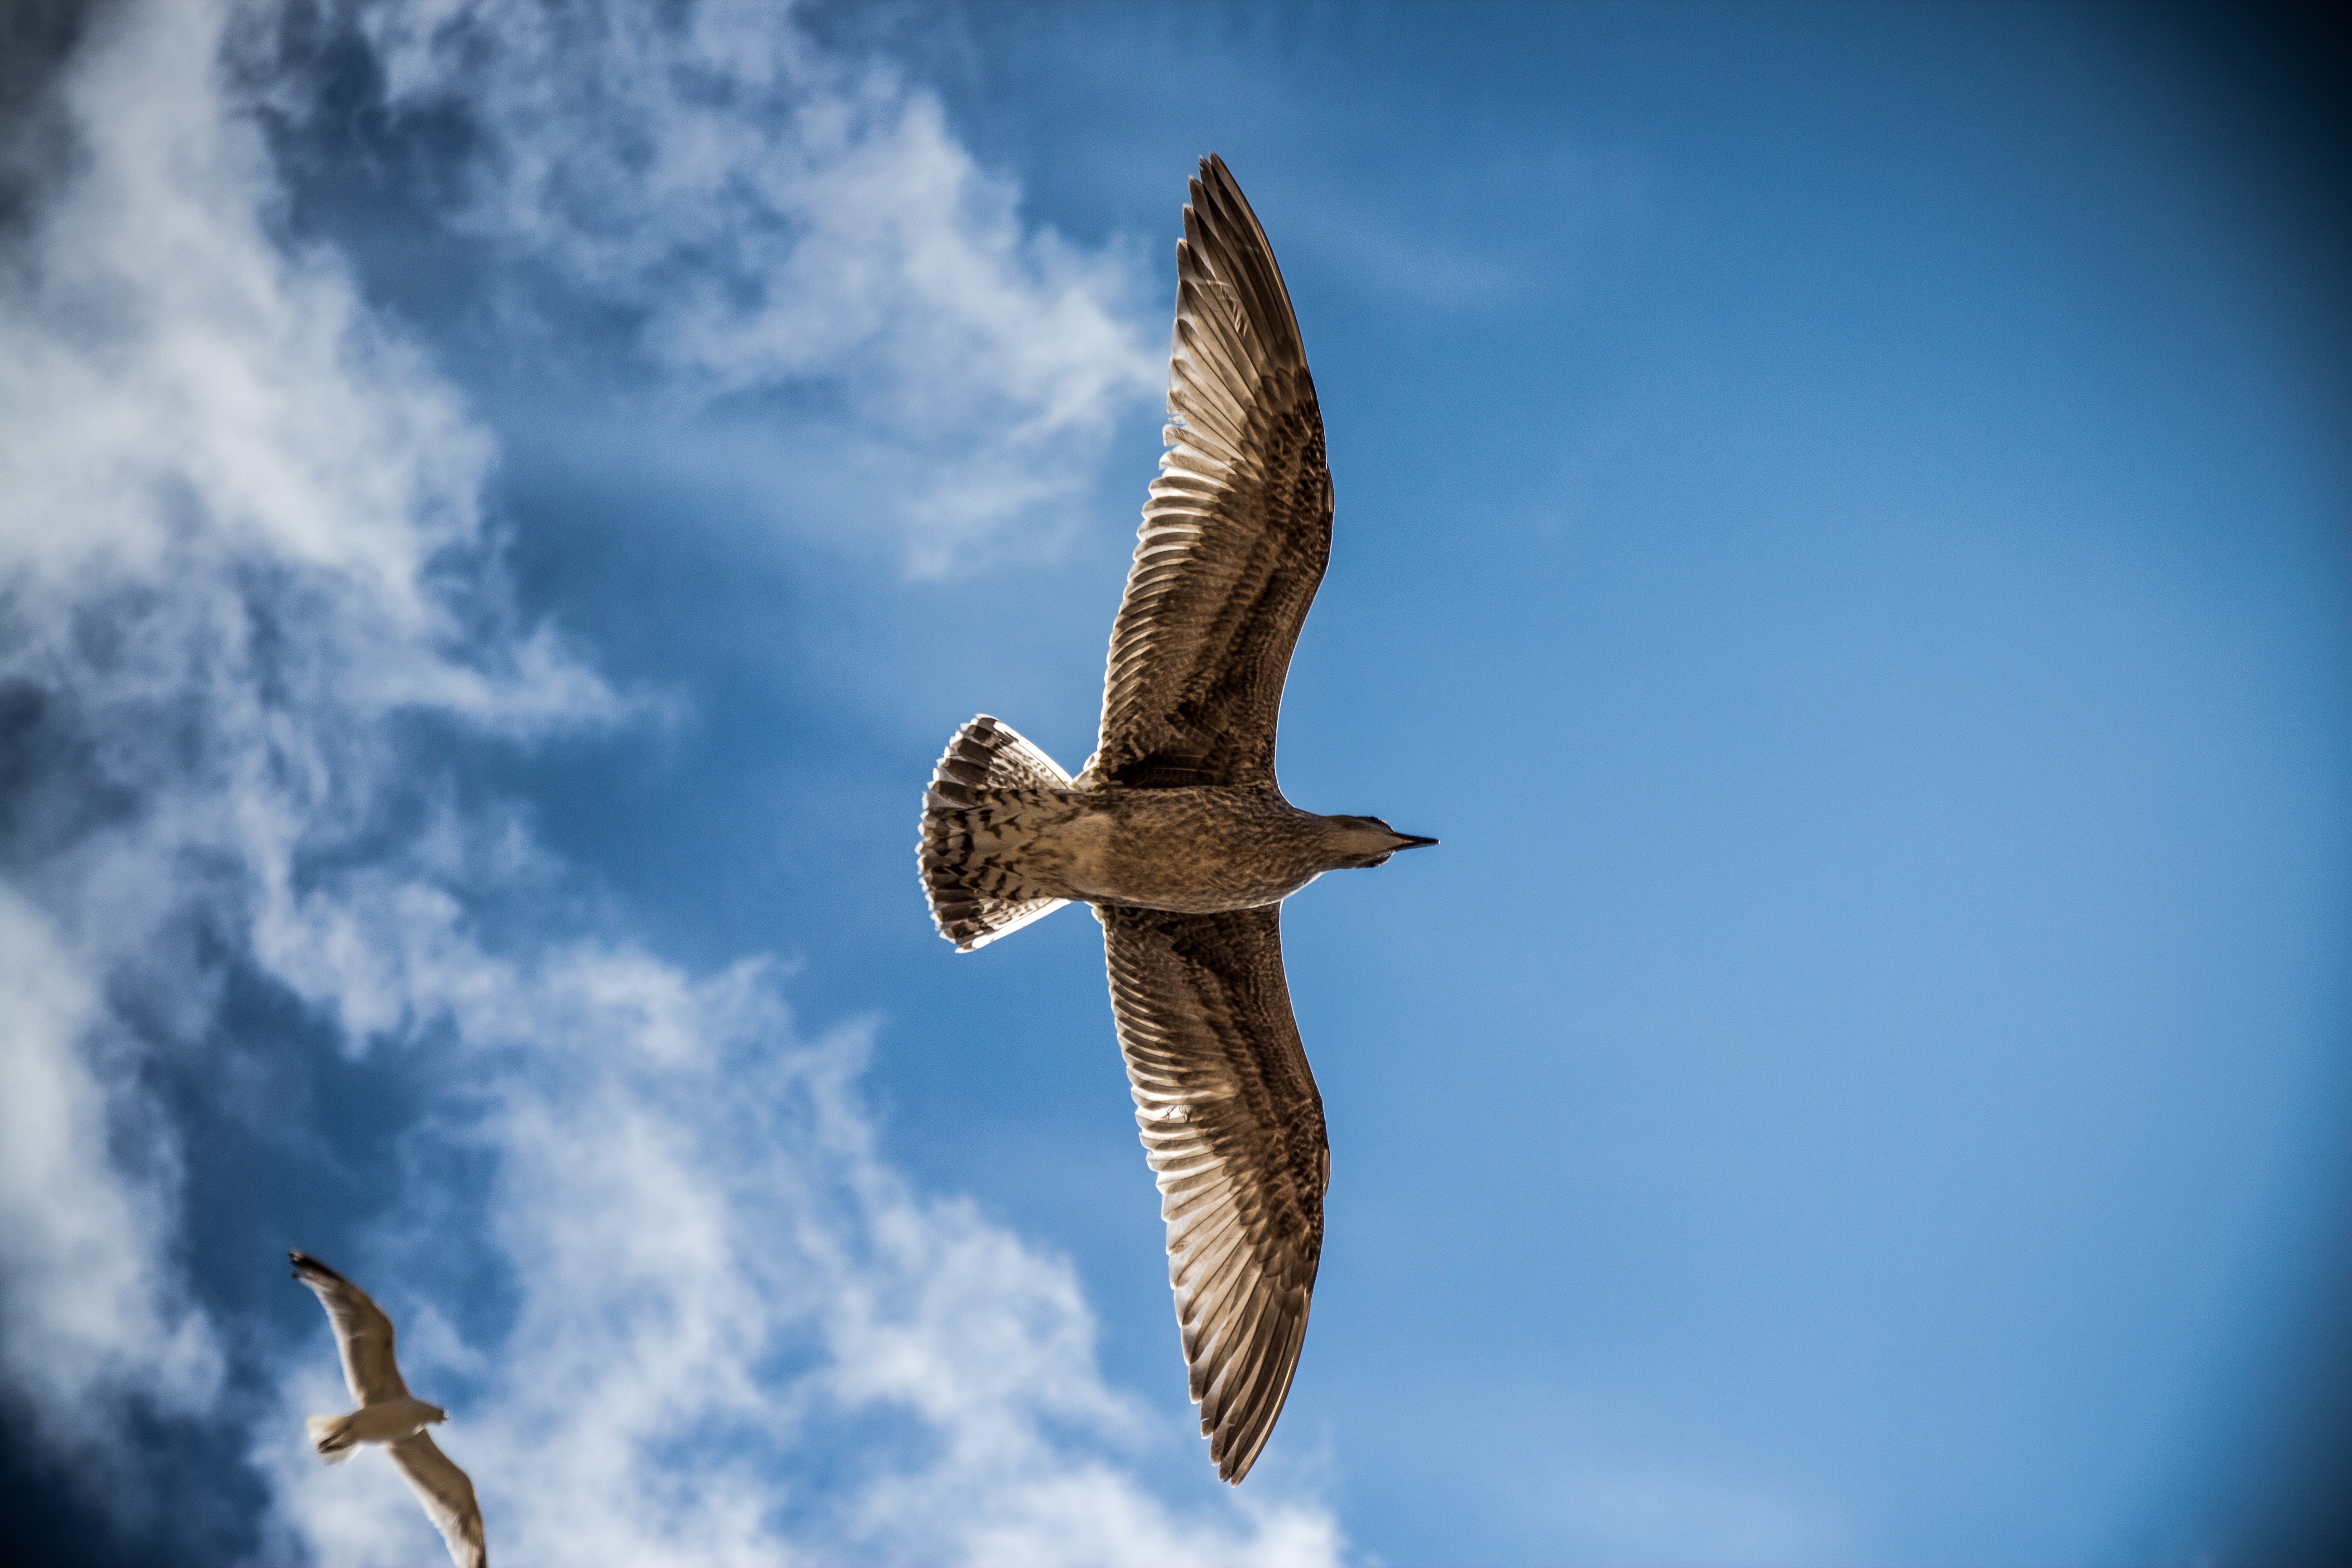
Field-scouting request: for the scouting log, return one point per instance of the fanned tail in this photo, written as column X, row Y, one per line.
column 332, row 1436
column 986, row 757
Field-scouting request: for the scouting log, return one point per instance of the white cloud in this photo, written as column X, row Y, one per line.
column 778, row 215
column 243, row 544
column 225, row 493
column 86, row 1308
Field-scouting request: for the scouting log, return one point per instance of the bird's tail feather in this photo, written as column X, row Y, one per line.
column 986, row 757
column 332, row 1436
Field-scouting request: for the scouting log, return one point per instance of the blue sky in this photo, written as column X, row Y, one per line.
column 1841, row 532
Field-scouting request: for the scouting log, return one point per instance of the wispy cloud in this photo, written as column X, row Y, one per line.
column 244, row 555
column 87, row 1318
column 771, row 214
column 230, row 504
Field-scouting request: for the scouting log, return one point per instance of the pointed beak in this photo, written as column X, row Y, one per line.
column 1407, row 841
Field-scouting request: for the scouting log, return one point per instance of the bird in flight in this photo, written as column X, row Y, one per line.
column 1177, row 834
column 389, row 1414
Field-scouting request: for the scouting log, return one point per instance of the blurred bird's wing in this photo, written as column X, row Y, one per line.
column 1234, row 1127
column 1238, row 526
column 362, row 1333
column 447, row 1494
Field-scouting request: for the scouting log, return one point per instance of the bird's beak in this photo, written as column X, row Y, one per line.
column 1407, row 841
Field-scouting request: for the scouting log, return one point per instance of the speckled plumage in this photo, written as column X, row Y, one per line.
column 1177, row 834
column 1201, row 850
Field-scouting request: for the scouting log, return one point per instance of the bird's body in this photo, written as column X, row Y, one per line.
column 388, row 1414
column 1201, row 849
column 338, row 1438
column 1178, row 835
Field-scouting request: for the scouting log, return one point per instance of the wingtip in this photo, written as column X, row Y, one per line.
column 305, row 1265
column 1219, row 175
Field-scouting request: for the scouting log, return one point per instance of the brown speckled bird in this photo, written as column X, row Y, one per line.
column 1177, row 834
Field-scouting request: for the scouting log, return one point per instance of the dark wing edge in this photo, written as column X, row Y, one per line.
column 1233, row 1126
column 1237, row 529
column 364, row 1335
column 447, row 1494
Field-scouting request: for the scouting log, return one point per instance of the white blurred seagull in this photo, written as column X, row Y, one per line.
column 389, row 1414
column 1177, row 834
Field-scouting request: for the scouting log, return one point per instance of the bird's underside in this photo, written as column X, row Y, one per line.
column 1233, row 543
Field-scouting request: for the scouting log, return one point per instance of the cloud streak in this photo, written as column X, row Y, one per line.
column 88, row 1320
column 770, row 215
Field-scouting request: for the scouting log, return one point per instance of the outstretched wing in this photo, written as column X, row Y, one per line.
column 1234, row 1127
column 447, row 1494
column 362, row 1333
column 1238, row 527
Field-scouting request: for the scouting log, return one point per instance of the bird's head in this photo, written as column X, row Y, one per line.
column 437, row 1417
column 1356, row 843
